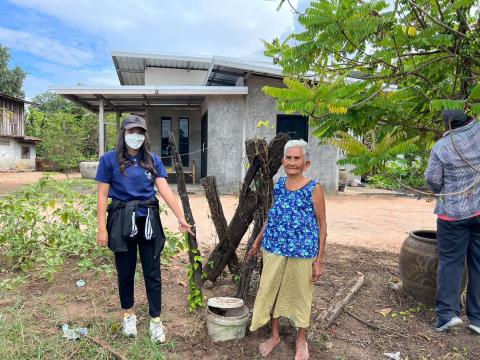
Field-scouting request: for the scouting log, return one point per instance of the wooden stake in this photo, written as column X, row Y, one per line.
column 331, row 312
column 107, row 347
column 182, row 192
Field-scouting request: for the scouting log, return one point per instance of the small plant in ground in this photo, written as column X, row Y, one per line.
column 174, row 242
column 12, row 283
column 46, row 224
column 404, row 314
column 195, row 298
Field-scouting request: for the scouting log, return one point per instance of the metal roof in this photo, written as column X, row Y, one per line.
column 139, row 98
column 14, row 98
column 221, row 70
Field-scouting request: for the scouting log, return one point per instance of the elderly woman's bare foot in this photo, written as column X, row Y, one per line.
column 301, row 350
column 267, row 346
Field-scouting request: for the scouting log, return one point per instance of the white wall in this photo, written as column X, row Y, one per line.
column 179, row 77
column 7, row 153
column 11, row 155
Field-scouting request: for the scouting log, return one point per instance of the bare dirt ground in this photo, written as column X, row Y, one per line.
column 370, row 218
column 10, row 180
column 365, row 234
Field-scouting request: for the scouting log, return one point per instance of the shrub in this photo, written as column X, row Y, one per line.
column 43, row 225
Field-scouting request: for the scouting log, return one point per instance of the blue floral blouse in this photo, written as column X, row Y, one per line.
column 292, row 227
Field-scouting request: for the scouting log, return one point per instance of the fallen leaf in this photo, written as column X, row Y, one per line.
column 385, row 311
column 182, row 283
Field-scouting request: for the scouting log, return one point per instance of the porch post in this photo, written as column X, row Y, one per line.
column 117, row 122
column 101, row 130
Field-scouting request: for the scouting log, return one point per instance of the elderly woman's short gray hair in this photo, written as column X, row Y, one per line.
column 297, row 143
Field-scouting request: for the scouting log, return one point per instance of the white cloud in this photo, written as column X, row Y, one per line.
column 222, row 27
column 44, row 47
column 70, row 40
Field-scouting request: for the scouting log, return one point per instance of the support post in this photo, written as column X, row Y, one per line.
column 117, row 122
column 101, row 130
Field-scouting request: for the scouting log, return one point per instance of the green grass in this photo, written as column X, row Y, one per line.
column 35, row 333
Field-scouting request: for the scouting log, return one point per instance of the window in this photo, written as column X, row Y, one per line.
column 165, row 134
column 4, row 143
column 25, row 152
column 296, row 126
column 183, row 141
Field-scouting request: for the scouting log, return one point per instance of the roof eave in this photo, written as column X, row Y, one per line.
column 152, row 90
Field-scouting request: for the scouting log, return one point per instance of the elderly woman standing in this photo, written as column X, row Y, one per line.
column 293, row 243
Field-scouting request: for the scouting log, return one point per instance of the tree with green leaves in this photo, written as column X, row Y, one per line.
column 69, row 132
column 11, row 80
column 374, row 67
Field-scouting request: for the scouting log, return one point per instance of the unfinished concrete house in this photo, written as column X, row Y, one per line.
column 212, row 104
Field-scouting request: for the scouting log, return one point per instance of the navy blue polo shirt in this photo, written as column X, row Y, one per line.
column 136, row 183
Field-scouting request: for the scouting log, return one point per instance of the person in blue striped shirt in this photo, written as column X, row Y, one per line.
column 453, row 174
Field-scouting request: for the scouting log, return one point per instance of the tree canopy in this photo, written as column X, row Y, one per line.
column 69, row 132
column 368, row 67
column 11, row 80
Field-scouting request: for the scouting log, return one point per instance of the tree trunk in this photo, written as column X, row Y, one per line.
column 264, row 186
column 261, row 157
column 216, row 211
column 182, row 192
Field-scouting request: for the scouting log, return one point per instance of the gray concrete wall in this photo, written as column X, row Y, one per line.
column 153, row 118
column 260, row 107
column 225, row 140
column 231, row 119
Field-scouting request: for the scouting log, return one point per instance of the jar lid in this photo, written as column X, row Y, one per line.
column 225, row 302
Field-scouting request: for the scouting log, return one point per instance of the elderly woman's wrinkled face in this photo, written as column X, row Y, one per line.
column 294, row 162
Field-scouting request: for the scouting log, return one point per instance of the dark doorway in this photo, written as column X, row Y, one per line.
column 183, row 140
column 204, row 145
column 166, row 129
column 296, row 126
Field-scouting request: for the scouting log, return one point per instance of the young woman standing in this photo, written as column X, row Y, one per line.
column 127, row 175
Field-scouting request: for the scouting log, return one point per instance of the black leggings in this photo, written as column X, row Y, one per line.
column 126, row 263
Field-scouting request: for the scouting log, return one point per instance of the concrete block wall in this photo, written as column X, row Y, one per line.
column 225, row 140
column 231, row 119
column 260, row 107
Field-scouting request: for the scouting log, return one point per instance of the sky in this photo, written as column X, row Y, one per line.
column 67, row 42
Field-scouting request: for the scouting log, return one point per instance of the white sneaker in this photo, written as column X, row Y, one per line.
column 129, row 325
column 475, row 328
column 157, row 330
column 442, row 326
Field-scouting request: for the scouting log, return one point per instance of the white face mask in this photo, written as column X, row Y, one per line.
column 134, row 141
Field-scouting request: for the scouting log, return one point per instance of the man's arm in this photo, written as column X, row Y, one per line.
column 434, row 173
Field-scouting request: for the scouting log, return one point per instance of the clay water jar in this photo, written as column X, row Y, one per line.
column 418, row 265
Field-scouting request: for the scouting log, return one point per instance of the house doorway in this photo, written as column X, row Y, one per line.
column 204, row 145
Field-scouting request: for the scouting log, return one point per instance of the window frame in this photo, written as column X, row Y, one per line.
column 26, row 156
column 165, row 156
column 185, row 158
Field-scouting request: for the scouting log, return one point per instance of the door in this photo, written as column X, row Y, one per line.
column 204, row 145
